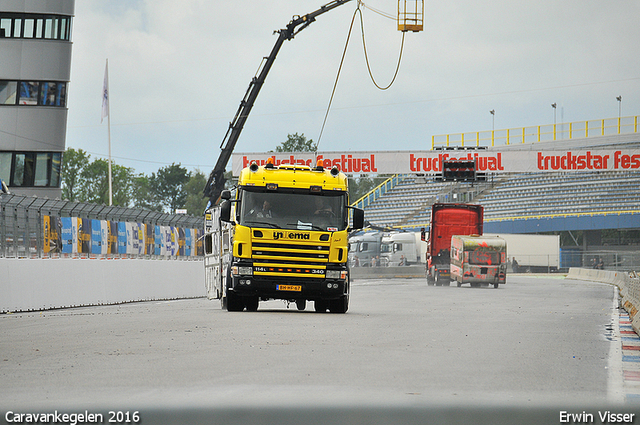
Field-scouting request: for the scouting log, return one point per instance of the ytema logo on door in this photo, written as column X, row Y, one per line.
column 291, row 235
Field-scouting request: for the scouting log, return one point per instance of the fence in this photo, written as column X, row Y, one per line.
column 539, row 133
column 32, row 227
column 618, row 260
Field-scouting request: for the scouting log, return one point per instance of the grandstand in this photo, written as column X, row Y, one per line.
column 406, row 201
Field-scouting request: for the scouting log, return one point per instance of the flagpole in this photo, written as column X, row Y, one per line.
column 106, row 89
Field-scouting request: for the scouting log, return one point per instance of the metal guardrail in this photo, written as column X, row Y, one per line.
column 539, row 133
column 377, row 192
column 561, row 215
column 24, row 220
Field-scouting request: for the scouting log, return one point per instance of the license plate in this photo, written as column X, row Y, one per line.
column 296, row 288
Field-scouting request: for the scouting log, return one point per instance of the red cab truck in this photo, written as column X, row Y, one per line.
column 448, row 220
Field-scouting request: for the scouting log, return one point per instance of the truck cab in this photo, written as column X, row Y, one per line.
column 288, row 229
column 363, row 248
column 448, row 219
column 400, row 249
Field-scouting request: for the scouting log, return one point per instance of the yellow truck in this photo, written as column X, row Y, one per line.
column 478, row 260
column 281, row 234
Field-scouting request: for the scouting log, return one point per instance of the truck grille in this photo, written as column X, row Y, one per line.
column 289, row 259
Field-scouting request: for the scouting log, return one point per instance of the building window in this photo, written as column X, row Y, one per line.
column 8, row 90
column 33, row 25
column 28, row 93
column 30, row 169
column 52, row 94
column 31, row 93
column 5, row 167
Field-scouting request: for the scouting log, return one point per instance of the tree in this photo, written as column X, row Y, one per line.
column 358, row 187
column 95, row 183
column 141, row 194
column 195, row 203
column 73, row 162
column 168, row 186
column 296, row 143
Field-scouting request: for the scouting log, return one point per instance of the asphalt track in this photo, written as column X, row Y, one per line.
column 534, row 346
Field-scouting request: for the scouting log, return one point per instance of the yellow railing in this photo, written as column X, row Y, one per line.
column 562, row 215
column 376, row 192
column 539, row 133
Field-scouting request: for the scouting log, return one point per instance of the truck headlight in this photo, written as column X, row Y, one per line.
column 245, row 270
column 336, row 274
column 241, row 270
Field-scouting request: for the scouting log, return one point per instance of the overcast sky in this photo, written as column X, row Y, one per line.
column 178, row 70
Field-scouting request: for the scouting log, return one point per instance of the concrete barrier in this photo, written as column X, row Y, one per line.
column 41, row 284
column 387, row 272
column 627, row 282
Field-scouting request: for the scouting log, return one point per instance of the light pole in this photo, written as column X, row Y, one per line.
column 493, row 123
column 554, row 105
column 619, row 99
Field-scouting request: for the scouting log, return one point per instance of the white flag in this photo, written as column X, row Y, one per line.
column 105, row 93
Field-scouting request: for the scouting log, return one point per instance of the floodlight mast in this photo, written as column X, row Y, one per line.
column 215, row 184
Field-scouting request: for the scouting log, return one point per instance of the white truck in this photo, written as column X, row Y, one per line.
column 363, row 247
column 532, row 253
column 402, row 249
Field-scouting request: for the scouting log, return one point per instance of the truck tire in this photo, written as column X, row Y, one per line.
column 430, row 281
column 234, row 302
column 320, row 306
column 341, row 305
column 251, row 303
column 301, row 304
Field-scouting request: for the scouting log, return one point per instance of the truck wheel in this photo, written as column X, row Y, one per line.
column 437, row 279
column 430, row 281
column 320, row 306
column 301, row 304
column 251, row 303
column 341, row 305
column 234, row 302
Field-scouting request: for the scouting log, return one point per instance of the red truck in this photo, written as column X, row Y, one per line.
column 448, row 220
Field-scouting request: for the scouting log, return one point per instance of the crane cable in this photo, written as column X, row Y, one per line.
column 366, row 56
column 335, row 84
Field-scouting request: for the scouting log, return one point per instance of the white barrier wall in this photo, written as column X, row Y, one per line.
column 40, row 284
column 627, row 282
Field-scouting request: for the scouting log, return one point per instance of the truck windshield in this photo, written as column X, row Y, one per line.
column 296, row 210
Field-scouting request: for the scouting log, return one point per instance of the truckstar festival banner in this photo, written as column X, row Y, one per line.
column 430, row 162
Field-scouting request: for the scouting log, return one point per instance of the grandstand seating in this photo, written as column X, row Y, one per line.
column 408, row 204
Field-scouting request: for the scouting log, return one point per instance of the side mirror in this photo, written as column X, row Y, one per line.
column 226, row 194
column 225, row 211
column 358, row 218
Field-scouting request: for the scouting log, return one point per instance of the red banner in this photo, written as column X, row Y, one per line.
column 430, row 162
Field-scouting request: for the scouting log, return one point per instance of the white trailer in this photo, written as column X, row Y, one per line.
column 402, row 249
column 533, row 253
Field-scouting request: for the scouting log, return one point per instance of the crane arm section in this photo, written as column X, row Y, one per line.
column 215, row 184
